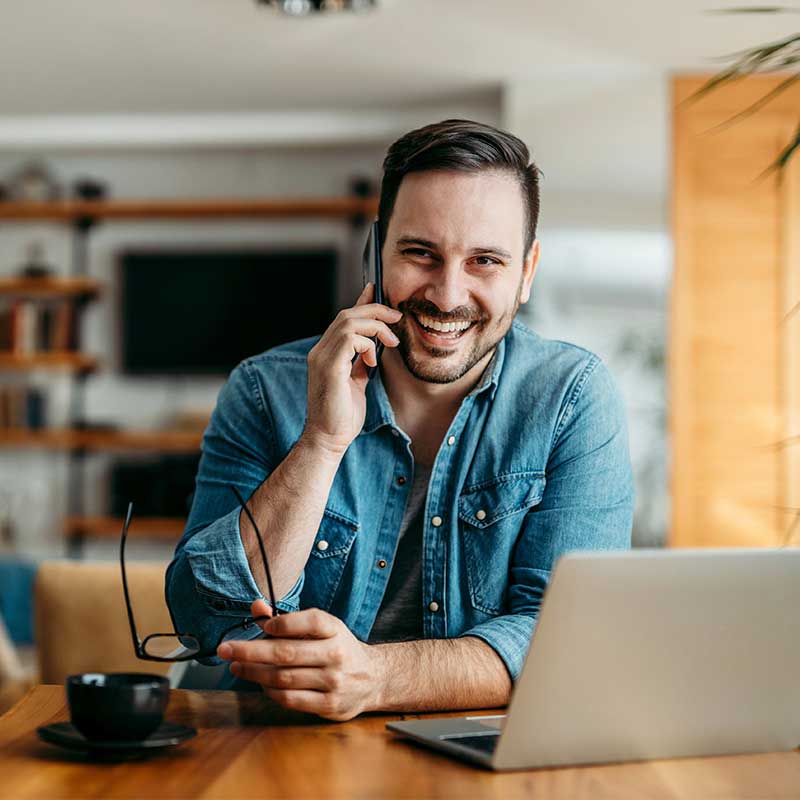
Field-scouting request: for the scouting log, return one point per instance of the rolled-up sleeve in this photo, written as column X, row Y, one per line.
column 587, row 505
column 209, row 583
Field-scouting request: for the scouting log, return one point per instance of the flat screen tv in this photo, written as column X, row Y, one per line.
column 201, row 312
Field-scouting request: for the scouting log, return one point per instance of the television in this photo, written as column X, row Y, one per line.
column 200, row 312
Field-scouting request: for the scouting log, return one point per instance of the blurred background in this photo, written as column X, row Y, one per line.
column 173, row 173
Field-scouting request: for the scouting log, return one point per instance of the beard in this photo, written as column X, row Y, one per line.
column 445, row 364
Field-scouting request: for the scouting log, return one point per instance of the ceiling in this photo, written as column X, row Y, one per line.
column 187, row 56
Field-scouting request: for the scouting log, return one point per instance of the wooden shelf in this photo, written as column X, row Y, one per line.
column 49, row 287
column 64, row 360
column 68, row 439
column 66, row 211
column 169, row 528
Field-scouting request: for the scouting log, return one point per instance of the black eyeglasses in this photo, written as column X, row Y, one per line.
column 186, row 646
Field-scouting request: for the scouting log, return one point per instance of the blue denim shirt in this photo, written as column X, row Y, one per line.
column 534, row 464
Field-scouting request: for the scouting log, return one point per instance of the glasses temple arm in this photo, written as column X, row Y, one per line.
column 137, row 645
column 260, row 546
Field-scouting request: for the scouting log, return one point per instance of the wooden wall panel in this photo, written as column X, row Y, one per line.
column 726, row 354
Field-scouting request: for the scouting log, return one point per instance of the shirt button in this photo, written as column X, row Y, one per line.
column 451, row 440
column 436, row 522
column 434, row 606
column 394, row 432
column 382, row 563
column 401, row 481
column 481, row 514
column 322, row 545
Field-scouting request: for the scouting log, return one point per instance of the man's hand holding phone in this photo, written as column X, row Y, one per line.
column 337, row 383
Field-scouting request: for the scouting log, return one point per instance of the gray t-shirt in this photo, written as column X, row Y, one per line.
column 399, row 618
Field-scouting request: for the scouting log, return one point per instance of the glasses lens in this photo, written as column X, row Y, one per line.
column 170, row 646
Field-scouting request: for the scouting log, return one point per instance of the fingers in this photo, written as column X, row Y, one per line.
column 323, row 704
column 268, row 677
column 280, row 652
column 366, row 347
column 367, row 293
column 312, row 623
column 384, row 313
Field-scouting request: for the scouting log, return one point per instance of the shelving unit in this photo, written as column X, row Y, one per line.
column 112, row 441
column 82, row 216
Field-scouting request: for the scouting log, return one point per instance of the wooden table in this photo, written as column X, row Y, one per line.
column 248, row 749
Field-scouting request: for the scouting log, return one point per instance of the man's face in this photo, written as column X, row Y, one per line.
column 453, row 263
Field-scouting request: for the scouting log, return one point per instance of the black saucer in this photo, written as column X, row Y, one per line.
column 64, row 734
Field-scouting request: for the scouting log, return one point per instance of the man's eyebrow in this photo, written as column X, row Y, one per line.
column 404, row 240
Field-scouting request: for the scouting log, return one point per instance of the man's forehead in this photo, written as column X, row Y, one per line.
column 475, row 209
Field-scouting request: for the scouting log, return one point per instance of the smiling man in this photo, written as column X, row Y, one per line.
column 411, row 520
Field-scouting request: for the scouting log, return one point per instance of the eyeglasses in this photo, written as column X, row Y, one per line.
column 186, row 646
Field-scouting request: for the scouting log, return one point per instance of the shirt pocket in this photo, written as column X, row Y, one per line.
column 328, row 558
column 491, row 515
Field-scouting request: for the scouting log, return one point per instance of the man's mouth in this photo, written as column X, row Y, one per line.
column 441, row 332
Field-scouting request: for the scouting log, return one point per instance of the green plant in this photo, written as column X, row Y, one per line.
column 781, row 56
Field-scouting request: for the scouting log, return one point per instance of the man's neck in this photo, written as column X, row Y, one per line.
column 424, row 410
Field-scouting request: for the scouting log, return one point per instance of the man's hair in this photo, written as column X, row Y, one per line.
column 463, row 146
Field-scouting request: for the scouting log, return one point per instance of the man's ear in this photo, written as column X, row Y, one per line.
column 528, row 271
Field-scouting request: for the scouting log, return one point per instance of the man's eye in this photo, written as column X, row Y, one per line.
column 486, row 261
column 417, row 251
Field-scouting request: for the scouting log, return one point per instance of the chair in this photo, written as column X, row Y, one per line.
column 80, row 619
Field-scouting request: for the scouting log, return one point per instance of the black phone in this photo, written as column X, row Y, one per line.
column 373, row 273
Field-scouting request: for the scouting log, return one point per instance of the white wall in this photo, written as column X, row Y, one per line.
column 606, row 258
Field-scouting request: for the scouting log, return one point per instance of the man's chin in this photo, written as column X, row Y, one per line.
column 434, row 365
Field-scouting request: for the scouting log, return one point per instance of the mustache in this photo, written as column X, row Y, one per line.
column 428, row 309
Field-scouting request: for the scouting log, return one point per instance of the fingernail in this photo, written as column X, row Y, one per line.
column 224, row 651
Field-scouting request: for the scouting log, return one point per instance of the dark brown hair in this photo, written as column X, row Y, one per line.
column 463, row 146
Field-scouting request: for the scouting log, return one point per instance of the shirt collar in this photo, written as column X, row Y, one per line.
column 379, row 409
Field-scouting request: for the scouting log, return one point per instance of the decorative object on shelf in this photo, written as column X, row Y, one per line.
column 30, row 326
column 90, row 189
column 22, row 408
column 35, row 265
column 34, row 182
column 304, row 8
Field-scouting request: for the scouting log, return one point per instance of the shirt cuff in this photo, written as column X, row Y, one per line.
column 509, row 636
column 222, row 573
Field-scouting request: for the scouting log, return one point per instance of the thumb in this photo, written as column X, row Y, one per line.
column 261, row 608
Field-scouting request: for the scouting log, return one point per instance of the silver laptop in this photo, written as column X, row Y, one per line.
column 648, row 654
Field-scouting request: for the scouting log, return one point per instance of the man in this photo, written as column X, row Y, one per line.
column 414, row 516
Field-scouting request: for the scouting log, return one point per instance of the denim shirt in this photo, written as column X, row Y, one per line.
column 534, row 464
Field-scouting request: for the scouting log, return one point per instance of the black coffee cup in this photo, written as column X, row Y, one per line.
column 117, row 705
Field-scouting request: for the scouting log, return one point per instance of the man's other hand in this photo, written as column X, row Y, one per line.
column 311, row 663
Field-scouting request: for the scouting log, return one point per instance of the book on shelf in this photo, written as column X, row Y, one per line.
column 38, row 326
column 22, row 408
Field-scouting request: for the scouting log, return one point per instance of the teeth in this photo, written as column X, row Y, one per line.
column 443, row 327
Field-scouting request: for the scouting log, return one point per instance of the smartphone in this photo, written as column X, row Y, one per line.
column 373, row 273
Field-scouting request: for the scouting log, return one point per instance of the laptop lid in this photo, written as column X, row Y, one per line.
column 659, row 654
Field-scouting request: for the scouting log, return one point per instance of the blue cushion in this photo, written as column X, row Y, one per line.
column 16, row 598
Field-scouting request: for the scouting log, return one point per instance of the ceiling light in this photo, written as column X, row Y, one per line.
column 302, row 8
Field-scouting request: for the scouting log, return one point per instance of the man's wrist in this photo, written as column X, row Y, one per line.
column 376, row 655
column 321, row 448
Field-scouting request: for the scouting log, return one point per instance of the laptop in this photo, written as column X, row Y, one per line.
column 643, row 655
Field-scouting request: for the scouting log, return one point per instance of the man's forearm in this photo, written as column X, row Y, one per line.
column 288, row 507
column 439, row 674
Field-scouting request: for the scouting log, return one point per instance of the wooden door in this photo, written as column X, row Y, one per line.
column 734, row 354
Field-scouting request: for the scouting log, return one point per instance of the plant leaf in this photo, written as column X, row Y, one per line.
column 755, row 10
column 760, row 103
column 783, row 159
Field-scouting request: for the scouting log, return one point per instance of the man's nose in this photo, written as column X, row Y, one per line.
column 447, row 288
